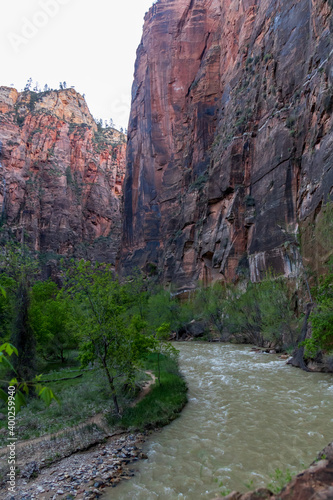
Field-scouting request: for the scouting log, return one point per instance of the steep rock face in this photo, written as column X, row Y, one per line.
column 61, row 178
column 230, row 137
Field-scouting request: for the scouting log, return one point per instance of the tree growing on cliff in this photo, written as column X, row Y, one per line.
column 28, row 84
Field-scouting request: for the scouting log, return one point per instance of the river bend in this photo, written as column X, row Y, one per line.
column 248, row 414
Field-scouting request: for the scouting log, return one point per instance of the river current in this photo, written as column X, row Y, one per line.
column 248, row 414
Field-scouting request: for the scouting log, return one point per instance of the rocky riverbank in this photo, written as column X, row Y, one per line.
column 78, row 462
column 83, row 475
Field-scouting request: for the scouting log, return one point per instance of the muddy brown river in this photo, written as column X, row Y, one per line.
column 248, row 415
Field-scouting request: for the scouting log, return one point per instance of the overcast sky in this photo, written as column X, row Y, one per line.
column 88, row 44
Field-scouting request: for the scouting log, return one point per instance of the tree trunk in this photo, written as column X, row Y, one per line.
column 23, row 338
column 112, row 387
column 159, row 368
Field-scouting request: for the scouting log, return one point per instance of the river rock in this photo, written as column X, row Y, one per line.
column 196, row 328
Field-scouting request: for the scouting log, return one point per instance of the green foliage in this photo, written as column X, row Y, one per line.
column 18, row 271
column 20, row 387
column 164, row 308
column 241, row 121
column 249, row 201
column 6, row 308
column 199, row 182
column 162, row 335
column 262, row 314
column 321, row 319
column 32, row 101
column 290, row 122
column 224, row 491
column 20, row 120
column 163, row 403
column 103, row 324
column 279, row 480
column 6, row 350
column 49, row 314
column 209, row 303
column 324, row 227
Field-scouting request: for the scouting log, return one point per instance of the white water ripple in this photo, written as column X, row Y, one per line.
column 247, row 415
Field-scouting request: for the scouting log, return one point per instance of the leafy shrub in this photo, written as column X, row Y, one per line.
column 262, row 314
column 249, row 201
column 322, row 319
column 290, row 122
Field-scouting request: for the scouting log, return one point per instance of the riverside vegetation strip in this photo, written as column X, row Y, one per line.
column 119, row 327
column 116, row 442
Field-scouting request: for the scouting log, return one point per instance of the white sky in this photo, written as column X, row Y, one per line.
column 90, row 44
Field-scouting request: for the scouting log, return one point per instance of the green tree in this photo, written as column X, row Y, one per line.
column 102, row 322
column 321, row 318
column 163, row 307
column 6, row 310
column 324, row 230
column 18, row 390
column 210, row 303
column 18, row 272
column 278, row 323
column 138, row 289
column 49, row 314
column 243, row 315
column 162, row 346
column 262, row 314
column 28, row 84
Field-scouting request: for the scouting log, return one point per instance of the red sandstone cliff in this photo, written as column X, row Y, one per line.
column 230, row 137
column 61, row 178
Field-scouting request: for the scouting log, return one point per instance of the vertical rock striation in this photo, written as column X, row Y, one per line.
column 61, row 177
column 230, row 145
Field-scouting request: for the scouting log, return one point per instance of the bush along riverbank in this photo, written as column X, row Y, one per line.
column 81, row 461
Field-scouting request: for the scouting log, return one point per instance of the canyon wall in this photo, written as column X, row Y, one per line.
column 230, row 145
column 60, row 177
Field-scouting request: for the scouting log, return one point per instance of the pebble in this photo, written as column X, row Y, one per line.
column 83, row 475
